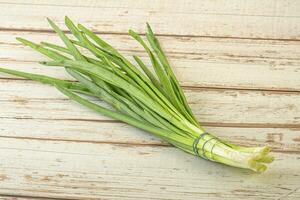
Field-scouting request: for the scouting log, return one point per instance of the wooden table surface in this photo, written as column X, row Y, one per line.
column 239, row 63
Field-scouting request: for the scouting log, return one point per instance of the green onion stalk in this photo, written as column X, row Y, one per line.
column 151, row 100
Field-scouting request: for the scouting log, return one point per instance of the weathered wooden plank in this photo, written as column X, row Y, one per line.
column 198, row 62
column 279, row 139
column 51, row 148
column 26, row 99
column 189, row 6
column 247, row 19
column 90, row 171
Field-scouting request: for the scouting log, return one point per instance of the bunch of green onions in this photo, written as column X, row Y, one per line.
column 136, row 95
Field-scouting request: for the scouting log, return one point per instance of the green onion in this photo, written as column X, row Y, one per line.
column 149, row 100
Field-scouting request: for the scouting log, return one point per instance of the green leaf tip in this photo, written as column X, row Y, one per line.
column 67, row 18
column 149, row 28
column 26, row 42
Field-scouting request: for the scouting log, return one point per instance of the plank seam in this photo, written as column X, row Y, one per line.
column 5, row 29
column 195, row 88
column 158, row 144
column 208, row 124
column 180, row 12
column 127, row 144
column 124, row 144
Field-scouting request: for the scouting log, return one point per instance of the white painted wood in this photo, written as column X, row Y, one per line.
column 247, row 19
column 279, row 139
column 24, row 99
column 78, row 170
column 198, row 62
column 188, row 6
column 238, row 61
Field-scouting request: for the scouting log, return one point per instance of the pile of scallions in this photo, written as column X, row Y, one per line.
column 151, row 100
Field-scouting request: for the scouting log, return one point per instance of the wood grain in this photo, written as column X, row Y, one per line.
column 284, row 140
column 238, row 62
column 22, row 111
column 198, row 62
column 61, row 169
column 240, row 19
column 209, row 105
